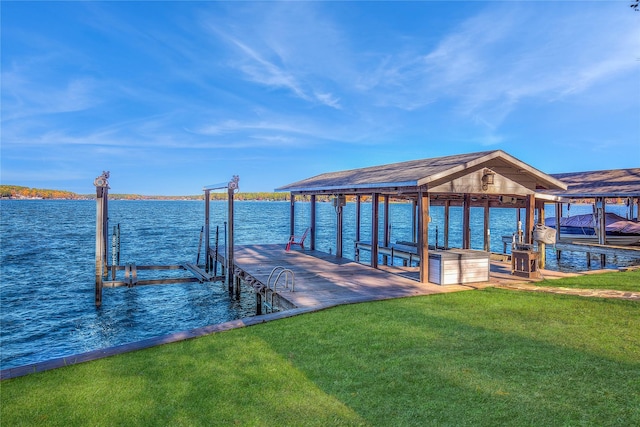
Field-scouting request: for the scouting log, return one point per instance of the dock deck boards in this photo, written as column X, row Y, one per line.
column 323, row 279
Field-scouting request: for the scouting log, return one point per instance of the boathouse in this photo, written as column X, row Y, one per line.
column 599, row 188
column 489, row 179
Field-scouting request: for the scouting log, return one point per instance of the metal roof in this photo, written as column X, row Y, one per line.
column 604, row 183
column 425, row 172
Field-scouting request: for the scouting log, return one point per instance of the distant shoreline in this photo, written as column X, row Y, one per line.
column 15, row 192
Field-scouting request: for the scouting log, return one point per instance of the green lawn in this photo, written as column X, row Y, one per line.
column 481, row 358
column 619, row 280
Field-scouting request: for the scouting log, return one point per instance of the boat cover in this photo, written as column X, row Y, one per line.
column 614, row 223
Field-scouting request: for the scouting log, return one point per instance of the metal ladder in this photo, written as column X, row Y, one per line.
column 271, row 289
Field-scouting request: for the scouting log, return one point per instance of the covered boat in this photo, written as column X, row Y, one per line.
column 583, row 227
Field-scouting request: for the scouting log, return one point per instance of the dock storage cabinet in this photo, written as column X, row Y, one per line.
column 458, row 266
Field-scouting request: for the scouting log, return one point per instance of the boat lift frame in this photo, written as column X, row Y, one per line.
column 131, row 270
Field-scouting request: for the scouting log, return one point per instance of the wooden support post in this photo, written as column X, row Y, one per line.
column 207, row 256
column 258, row 303
column 423, row 236
column 102, row 198
column 414, row 221
column 231, row 188
column 339, row 227
column 292, row 215
column 238, row 287
column 358, row 213
column 519, row 225
column 375, row 208
column 466, row 222
column 105, row 232
column 99, row 244
column 542, row 248
column 529, row 219
column 558, row 217
column 601, row 208
column 312, row 231
column 385, row 239
column 487, row 230
column 215, row 254
column 447, row 206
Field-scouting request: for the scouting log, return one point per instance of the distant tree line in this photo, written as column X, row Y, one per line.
column 20, row 192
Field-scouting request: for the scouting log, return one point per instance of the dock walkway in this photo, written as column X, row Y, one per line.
column 324, row 279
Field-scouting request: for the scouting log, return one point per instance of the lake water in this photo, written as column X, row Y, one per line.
column 47, row 269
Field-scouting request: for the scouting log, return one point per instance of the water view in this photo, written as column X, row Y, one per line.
column 47, row 273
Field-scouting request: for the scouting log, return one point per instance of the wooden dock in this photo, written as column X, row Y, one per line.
column 323, row 279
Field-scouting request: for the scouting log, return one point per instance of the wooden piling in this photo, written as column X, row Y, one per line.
column 312, row 231
column 102, row 186
column 339, row 225
column 292, row 215
column 231, row 188
column 207, row 215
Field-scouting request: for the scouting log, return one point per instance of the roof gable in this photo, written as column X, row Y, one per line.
column 425, row 172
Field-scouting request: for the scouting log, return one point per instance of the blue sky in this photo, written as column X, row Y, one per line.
column 172, row 96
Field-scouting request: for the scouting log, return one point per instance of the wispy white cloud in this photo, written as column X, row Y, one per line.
column 509, row 53
column 25, row 95
column 492, row 63
column 279, row 52
column 261, row 71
